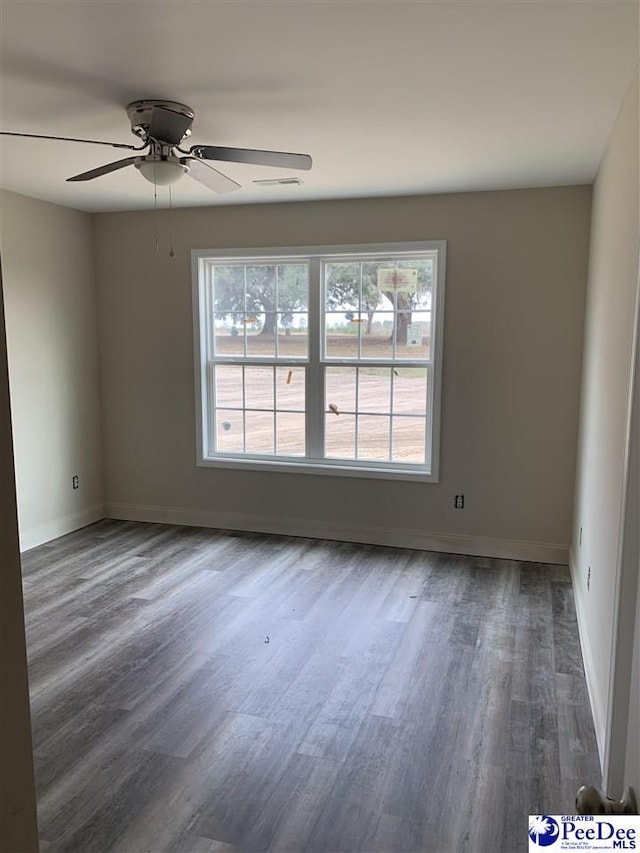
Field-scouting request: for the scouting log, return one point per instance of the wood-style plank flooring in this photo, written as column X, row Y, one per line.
column 195, row 691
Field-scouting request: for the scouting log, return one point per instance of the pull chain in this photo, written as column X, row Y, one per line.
column 172, row 253
column 155, row 207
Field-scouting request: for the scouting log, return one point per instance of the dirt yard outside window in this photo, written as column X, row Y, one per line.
column 371, row 412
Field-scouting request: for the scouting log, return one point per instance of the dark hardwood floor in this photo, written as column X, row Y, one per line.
column 203, row 692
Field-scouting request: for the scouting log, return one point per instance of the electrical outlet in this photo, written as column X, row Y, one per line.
column 589, row 577
column 75, row 481
column 458, row 502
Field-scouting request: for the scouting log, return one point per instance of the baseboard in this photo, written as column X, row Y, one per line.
column 35, row 536
column 478, row 546
column 597, row 702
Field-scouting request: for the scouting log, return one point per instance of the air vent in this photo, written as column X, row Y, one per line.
column 274, row 182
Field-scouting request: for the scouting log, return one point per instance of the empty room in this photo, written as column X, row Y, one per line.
column 319, row 426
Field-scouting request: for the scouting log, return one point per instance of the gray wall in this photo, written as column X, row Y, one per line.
column 50, row 306
column 516, row 277
column 603, row 468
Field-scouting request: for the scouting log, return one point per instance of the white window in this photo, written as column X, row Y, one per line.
column 325, row 359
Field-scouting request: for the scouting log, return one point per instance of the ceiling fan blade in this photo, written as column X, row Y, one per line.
column 104, row 170
column 74, row 139
column 207, row 175
column 168, row 126
column 281, row 159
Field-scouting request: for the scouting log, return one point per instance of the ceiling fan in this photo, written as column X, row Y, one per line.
column 163, row 126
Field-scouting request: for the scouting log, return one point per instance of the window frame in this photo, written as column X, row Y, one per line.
column 316, row 361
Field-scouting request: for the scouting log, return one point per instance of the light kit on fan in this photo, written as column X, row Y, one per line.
column 161, row 171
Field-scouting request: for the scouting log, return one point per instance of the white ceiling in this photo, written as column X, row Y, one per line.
column 388, row 97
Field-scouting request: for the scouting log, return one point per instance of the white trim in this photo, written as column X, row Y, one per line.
column 475, row 546
column 334, row 468
column 596, row 700
column 436, row 356
column 346, row 251
column 199, row 353
column 35, row 536
column 315, row 377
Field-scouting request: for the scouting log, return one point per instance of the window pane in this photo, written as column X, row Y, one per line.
column 290, row 427
column 290, row 388
column 342, row 333
column 228, row 288
column 229, row 431
column 228, row 335
column 293, row 335
column 258, row 387
column 260, row 288
column 405, row 283
column 421, row 293
column 222, row 324
column 340, row 436
column 373, row 437
column 410, row 335
column 259, row 432
column 408, row 441
column 256, row 297
column 261, row 339
column 293, row 287
column 228, row 386
column 410, row 390
column 374, row 389
column 352, row 287
column 389, row 300
column 377, row 335
column 342, row 286
column 340, row 388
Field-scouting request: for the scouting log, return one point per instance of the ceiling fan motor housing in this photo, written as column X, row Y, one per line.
column 155, row 119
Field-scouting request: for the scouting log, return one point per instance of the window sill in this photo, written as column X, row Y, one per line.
column 320, row 468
